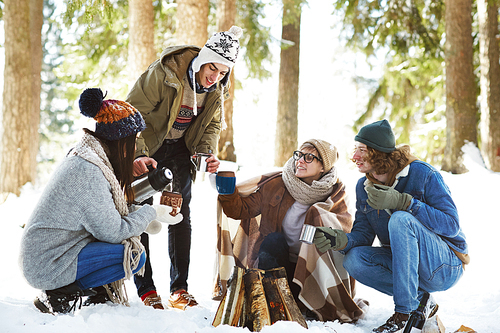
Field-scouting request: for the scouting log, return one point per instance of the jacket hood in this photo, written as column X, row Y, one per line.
column 178, row 58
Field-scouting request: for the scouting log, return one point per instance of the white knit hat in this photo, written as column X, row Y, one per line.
column 222, row 48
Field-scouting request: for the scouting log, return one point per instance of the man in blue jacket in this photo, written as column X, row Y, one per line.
column 405, row 203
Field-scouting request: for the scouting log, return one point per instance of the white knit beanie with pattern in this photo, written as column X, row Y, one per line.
column 222, row 48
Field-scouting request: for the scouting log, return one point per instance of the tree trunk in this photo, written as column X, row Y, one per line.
column 226, row 16
column 490, row 83
column 141, row 47
column 192, row 22
column 36, row 23
column 16, row 166
column 288, row 95
column 461, row 110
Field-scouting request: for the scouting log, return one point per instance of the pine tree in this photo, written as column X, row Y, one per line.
column 288, row 95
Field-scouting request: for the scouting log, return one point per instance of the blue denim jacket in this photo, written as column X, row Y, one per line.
column 432, row 205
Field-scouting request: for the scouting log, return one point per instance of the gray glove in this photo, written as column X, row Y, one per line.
column 326, row 238
column 386, row 197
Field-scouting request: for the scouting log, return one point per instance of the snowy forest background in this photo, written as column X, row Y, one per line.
column 431, row 67
column 358, row 61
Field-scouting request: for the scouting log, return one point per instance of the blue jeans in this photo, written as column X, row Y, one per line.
column 101, row 263
column 416, row 260
column 274, row 253
column 176, row 157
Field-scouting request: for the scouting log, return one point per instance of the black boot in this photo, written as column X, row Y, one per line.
column 394, row 324
column 100, row 297
column 58, row 300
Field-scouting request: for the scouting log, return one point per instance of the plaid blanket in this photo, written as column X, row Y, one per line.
column 326, row 287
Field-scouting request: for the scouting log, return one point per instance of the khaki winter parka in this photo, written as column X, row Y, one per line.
column 157, row 94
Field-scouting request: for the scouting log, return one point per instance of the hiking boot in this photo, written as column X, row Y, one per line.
column 100, row 296
column 152, row 299
column 393, row 324
column 58, row 300
column 181, row 299
column 431, row 307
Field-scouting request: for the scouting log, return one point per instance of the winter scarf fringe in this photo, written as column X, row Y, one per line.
column 92, row 150
column 304, row 193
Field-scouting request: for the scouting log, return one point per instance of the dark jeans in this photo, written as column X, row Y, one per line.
column 176, row 157
column 274, row 253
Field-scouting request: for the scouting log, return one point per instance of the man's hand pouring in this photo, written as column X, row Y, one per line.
column 141, row 165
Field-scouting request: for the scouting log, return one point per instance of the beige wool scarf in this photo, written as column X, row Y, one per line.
column 304, row 193
column 92, row 150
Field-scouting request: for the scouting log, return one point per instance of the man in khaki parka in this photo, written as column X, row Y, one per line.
column 179, row 124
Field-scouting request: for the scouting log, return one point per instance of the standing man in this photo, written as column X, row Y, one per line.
column 181, row 97
column 405, row 203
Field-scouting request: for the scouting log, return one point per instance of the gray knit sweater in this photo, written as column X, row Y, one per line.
column 76, row 208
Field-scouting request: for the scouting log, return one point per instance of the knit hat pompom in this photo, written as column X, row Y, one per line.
column 327, row 152
column 90, row 102
column 236, row 31
column 115, row 119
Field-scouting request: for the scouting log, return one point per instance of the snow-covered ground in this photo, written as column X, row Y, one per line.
column 326, row 111
column 473, row 302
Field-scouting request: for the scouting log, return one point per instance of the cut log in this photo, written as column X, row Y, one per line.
column 274, row 300
column 257, row 298
column 433, row 325
column 218, row 315
column 235, row 297
column 230, row 309
column 244, row 312
column 257, row 311
column 465, row 329
column 292, row 309
column 276, row 273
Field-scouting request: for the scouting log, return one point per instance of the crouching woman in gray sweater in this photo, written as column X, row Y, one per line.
column 81, row 234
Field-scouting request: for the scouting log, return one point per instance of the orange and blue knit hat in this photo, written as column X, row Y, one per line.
column 115, row 119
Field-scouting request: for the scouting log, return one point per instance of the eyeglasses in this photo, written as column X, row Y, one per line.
column 297, row 155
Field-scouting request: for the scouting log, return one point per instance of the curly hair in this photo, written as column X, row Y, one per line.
column 385, row 162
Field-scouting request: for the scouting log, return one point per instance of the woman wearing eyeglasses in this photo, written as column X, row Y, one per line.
column 272, row 209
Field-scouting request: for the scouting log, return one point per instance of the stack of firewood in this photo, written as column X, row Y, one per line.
column 256, row 298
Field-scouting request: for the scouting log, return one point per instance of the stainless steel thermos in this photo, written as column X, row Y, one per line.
column 154, row 181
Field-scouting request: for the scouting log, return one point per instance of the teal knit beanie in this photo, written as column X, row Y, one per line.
column 378, row 136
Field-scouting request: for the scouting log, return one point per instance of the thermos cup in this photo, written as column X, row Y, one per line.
column 200, row 161
column 307, row 233
column 225, row 182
